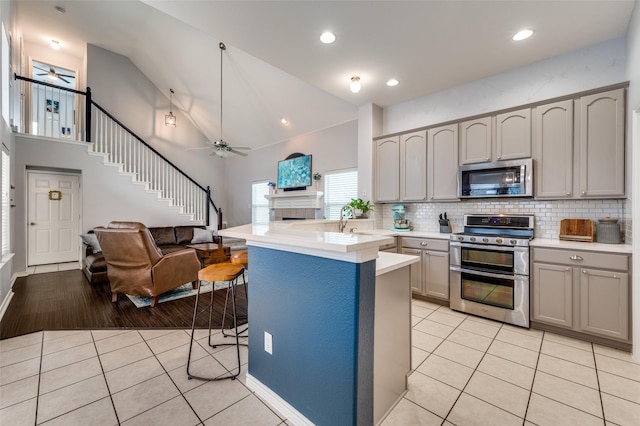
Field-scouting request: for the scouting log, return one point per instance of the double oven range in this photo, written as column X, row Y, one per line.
column 489, row 269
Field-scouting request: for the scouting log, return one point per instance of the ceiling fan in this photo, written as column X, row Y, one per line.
column 221, row 147
column 53, row 75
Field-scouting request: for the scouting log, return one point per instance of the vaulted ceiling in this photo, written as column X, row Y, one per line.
column 275, row 66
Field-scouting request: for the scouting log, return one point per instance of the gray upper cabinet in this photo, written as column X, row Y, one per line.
column 442, row 154
column 553, row 155
column 413, row 166
column 513, row 135
column 387, row 169
column 601, row 141
column 475, row 141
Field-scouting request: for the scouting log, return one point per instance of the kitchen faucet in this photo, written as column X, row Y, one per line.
column 343, row 223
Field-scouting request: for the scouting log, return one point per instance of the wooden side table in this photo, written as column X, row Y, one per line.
column 210, row 253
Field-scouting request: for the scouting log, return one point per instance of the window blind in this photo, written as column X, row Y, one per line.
column 6, row 202
column 259, row 204
column 339, row 188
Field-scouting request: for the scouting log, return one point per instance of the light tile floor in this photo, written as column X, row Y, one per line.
column 467, row 371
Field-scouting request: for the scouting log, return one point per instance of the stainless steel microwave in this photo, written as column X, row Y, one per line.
column 499, row 179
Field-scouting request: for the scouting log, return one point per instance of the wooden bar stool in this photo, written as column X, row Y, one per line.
column 238, row 258
column 217, row 272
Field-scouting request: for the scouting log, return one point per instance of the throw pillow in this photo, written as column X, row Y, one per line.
column 202, row 236
column 92, row 241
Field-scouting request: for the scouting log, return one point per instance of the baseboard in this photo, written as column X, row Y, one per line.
column 285, row 409
column 7, row 299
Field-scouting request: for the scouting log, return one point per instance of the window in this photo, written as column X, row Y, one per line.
column 339, row 188
column 259, row 204
column 6, row 75
column 6, row 201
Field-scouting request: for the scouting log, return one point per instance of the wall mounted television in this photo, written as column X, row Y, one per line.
column 294, row 173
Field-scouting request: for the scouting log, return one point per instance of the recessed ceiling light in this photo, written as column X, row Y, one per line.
column 284, row 120
column 392, row 82
column 60, row 9
column 55, row 44
column 522, row 35
column 328, row 37
column 355, row 84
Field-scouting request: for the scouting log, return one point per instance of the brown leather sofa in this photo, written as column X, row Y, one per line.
column 136, row 266
column 167, row 238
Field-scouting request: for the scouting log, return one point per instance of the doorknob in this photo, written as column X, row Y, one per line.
column 32, row 223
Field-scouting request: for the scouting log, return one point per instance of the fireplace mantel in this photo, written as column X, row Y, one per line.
column 295, row 200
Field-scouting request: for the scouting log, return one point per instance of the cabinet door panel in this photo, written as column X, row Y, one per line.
column 416, row 271
column 554, row 150
column 413, row 166
column 387, row 169
column 604, row 303
column 436, row 274
column 443, row 163
column 602, row 144
column 475, row 141
column 552, row 294
column 513, row 135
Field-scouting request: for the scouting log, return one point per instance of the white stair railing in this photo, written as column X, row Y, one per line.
column 123, row 148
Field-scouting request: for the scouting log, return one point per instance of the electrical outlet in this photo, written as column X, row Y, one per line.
column 268, row 343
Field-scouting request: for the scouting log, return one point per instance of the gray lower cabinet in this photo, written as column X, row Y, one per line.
column 430, row 277
column 587, row 292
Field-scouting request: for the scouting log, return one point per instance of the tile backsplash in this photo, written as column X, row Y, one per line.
column 548, row 214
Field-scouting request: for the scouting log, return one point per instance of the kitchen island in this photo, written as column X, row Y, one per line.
column 338, row 315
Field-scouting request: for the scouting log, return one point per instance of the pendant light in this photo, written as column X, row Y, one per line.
column 170, row 119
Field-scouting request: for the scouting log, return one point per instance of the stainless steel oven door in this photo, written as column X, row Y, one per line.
column 489, row 258
column 501, row 297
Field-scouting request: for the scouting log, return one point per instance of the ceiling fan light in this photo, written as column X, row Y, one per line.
column 355, row 84
column 51, row 75
column 392, row 82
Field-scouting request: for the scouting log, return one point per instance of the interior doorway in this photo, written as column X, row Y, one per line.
column 53, row 217
column 53, row 110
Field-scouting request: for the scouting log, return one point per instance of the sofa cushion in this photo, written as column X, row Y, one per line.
column 163, row 236
column 202, row 236
column 96, row 263
column 171, row 248
column 91, row 240
column 184, row 234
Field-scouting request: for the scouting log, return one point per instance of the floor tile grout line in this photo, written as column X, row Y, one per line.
column 595, row 364
column 35, row 417
column 104, row 376
column 535, row 373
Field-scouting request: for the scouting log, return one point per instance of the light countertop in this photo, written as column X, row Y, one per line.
column 579, row 245
column 388, row 262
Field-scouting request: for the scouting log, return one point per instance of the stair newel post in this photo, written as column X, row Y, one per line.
column 87, row 115
column 207, row 205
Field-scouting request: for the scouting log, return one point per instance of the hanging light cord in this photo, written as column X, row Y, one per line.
column 171, row 101
column 222, row 48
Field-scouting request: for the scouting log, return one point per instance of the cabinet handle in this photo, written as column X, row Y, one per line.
column 584, row 271
column 567, row 269
column 424, row 243
column 615, row 276
column 568, row 193
column 576, row 257
column 584, row 193
column 432, row 197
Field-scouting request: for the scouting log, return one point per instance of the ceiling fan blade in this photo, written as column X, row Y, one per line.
column 67, row 75
column 43, row 73
column 41, row 69
column 244, row 154
column 241, row 147
column 63, row 79
column 197, row 148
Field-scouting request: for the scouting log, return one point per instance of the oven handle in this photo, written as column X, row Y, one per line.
column 486, row 247
column 486, row 274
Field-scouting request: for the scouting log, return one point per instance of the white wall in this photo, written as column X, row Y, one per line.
column 633, row 125
column 7, row 12
column 332, row 149
column 122, row 89
column 106, row 195
column 594, row 66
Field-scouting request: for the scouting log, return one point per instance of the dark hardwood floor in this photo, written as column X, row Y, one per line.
column 66, row 301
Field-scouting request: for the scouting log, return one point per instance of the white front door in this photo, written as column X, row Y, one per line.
column 52, row 218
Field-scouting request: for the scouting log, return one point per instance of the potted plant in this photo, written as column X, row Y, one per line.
column 361, row 207
column 316, row 178
column 272, row 187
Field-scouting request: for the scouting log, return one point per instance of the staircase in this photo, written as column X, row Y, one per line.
column 109, row 138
